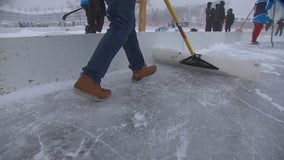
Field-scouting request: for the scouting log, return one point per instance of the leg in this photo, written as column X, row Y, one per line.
column 121, row 33
column 87, row 27
column 281, row 29
column 96, row 14
column 133, row 52
column 256, row 31
column 207, row 26
column 121, row 16
column 121, row 24
column 136, row 59
column 277, row 30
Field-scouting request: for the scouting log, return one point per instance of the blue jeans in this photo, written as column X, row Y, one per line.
column 121, row 33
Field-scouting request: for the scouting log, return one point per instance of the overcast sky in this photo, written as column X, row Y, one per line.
column 241, row 7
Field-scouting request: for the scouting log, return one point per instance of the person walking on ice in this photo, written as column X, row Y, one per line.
column 121, row 33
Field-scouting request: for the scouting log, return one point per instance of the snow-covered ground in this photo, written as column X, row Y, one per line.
column 39, row 31
column 175, row 114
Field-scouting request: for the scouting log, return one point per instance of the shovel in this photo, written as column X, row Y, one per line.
column 195, row 59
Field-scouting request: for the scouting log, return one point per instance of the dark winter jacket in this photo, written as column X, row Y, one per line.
column 208, row 13
column 261, row 8
column 221, row 11
column 230, row 18
column 280, row 21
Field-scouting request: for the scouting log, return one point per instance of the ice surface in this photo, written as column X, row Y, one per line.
column 176, row 114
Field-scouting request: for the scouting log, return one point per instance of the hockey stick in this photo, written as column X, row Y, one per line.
column 241, row 26
column 67, row 14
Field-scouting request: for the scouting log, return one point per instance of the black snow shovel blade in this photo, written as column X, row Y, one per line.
column 196, row 61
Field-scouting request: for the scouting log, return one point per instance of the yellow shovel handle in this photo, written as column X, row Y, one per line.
column 172, row 11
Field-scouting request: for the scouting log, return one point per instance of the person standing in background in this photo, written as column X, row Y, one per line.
column 260, row 17
column 216, row 18
column 221, row 14
column 280, row 26
column 209, row 18
column 95, row 12
column 230, row 18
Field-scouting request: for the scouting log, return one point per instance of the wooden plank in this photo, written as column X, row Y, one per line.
column 142, row 15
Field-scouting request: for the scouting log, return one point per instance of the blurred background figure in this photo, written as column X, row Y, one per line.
column 209, row 18
column 95, row 12
column 268, row 24
column 221, row 13
column 280, row 23
column 230, row 18
column 219, row 16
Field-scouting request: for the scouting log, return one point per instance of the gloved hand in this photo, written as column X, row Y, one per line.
column 96, row 15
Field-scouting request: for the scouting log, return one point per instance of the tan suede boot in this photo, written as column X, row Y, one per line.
column 86, row 87
column 143, row 72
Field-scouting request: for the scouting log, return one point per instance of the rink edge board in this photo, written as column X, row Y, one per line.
column 34, row 60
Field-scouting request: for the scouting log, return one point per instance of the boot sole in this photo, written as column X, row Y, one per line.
column 86, row 95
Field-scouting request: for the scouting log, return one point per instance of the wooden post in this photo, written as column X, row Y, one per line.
column 142, row 15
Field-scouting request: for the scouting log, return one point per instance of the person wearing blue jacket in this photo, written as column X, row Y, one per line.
column 260, row 17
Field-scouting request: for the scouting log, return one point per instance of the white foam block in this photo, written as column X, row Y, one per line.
column 228, row 65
